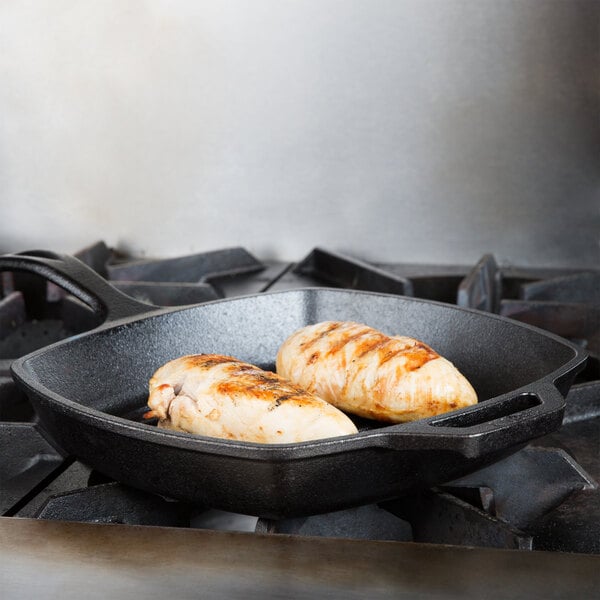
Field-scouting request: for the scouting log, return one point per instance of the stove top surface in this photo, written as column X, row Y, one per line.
column 545, row 497
column 66, row 560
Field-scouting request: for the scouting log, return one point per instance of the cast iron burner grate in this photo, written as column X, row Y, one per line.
column 544, row 497
column 517, row 503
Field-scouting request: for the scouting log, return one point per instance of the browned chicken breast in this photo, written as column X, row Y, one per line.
column 220, row 396
column 362, row 371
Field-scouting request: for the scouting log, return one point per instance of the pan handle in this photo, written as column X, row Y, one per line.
column 79, row 280
column 490, row 426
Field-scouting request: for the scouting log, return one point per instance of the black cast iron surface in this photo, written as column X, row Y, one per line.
column 84, row 387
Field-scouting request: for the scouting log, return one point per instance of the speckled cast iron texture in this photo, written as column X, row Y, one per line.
column 88, row 389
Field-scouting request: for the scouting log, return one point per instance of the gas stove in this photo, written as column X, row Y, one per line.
column 543, row 498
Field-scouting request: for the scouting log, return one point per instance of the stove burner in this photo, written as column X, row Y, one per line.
column 544, row 497
column 496, row 507
column 183, row 280
column 28, row 462
column 14, row 404
column 28, row 320
column 364, row 522
column 482, row 287
column 168, row 294
column 115, row 503
column 336, row 270
column 512, row 504
column 527, row 485
column 35, row 313
column 12, row 312
column 582, row 288
column 191, row 269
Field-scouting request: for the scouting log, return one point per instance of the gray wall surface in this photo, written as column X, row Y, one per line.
column 395, row 130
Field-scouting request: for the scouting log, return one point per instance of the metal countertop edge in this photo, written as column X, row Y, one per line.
column 66, row 560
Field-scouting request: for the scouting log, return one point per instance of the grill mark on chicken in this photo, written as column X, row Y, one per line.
column 277, row 402
column 418, row 355
column 388, row 355
column 262, row 385
column 247, row 379
column 370, row 345
column 337, row 345
column 331, row 327
column 313, row 357
column 415, row 353
column 207, row 361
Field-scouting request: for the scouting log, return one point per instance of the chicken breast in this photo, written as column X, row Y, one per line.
column 362, row 371
column 220, row 396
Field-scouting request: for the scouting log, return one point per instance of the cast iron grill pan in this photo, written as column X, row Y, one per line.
column 87, row 388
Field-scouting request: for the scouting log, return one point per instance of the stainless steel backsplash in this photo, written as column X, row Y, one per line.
column 414, row 130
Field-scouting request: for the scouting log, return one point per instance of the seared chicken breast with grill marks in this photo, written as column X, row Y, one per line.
column 365, row 372
column 220, row 396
